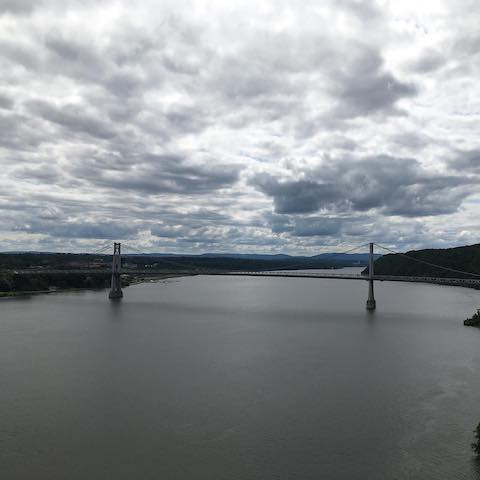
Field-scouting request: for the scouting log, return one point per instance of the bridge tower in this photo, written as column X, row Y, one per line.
column 371, row 303
column 116, row 286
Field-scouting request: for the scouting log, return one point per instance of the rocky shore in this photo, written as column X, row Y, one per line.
column 473, row 321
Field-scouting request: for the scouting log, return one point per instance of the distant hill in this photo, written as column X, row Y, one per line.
column 243, row 261
column 175, row 262
column 248, row 256
column 351, row 258
column 459, row 258
column 361, row 258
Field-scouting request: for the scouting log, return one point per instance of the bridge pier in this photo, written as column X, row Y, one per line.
column 371, row 303
column 116, row 285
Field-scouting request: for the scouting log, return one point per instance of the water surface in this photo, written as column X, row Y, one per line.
column 240, row 378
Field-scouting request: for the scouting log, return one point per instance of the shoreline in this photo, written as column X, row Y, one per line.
column 160, row 277
column 134, row 281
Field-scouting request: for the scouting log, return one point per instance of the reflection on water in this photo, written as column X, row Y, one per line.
column 240, row 378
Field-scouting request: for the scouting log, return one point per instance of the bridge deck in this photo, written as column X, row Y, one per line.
column 279, row 274
column 342, row 276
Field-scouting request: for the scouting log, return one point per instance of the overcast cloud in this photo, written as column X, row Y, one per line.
column 273, row 126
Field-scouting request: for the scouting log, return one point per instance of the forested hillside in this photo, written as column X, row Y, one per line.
column 460, row 258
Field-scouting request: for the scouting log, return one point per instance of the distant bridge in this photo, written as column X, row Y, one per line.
column 262, row 273
column 343, row 276
column 470, row 282
column 116, row 272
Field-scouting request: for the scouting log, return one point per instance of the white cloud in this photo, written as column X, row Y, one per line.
column 268, row 126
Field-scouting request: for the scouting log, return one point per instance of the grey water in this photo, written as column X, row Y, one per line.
column 240, row 378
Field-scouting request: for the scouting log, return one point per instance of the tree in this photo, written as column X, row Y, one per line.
column 476, row 444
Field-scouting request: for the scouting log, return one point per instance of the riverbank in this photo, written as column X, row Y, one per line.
column 474, row 320
column 449, row 282
column 158, row 278
column 131, row 281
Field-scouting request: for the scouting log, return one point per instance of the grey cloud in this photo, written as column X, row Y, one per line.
column 9, row 130
column 344, row 143
column 239, row 82
column 468, row 44
column 182, row 65
column 126, row 64
column 206, row 215
column 70, row 50
column 394, row 186
column 124, row 84
column 185, row 119
column 50, row 212
column 6, row 103
column 17, row 6
column 223, row 238
column 322, row 226
column 307, row 227
column 81, row 58
column 160, row 174
column 415, row 141
column 78, row 229
column 428, row 62
column 176, row 225
column 23, row 7
column 367, row 11
column 193, row 219
column 18, row 133
column 283, row 73
column 43, row 173
column 200, row 240
column 365, row 87
column 187, row 234
column 166, row 231
column 466, row 161
column 72, row 117
column 160, row 107
column 275, row 78
column 20, row 53
column 301, row 196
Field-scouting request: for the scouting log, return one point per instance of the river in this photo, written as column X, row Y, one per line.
column 240, row 378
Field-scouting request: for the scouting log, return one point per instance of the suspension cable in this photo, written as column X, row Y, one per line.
column 172, row 262
column 428, row 263
column 200, row 269
column 101, row 249
column 292, row 267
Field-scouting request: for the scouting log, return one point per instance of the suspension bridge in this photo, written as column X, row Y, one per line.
column 467, row 279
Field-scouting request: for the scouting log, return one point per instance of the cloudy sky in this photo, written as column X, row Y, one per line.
column 250, row 126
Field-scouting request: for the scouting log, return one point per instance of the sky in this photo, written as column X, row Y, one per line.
column 296, row 127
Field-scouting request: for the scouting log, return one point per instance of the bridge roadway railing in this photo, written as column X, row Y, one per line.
column 470, row 282
column 438, row 280
column 382, row 278
column 293, row 274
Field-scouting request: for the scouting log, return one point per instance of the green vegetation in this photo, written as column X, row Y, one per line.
column 476, row 444
column 52, row 260
column 12, row 283
column 32, row 272
column 460, row 258
column 69, row 261
column 473, row 321
column 201, row 263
